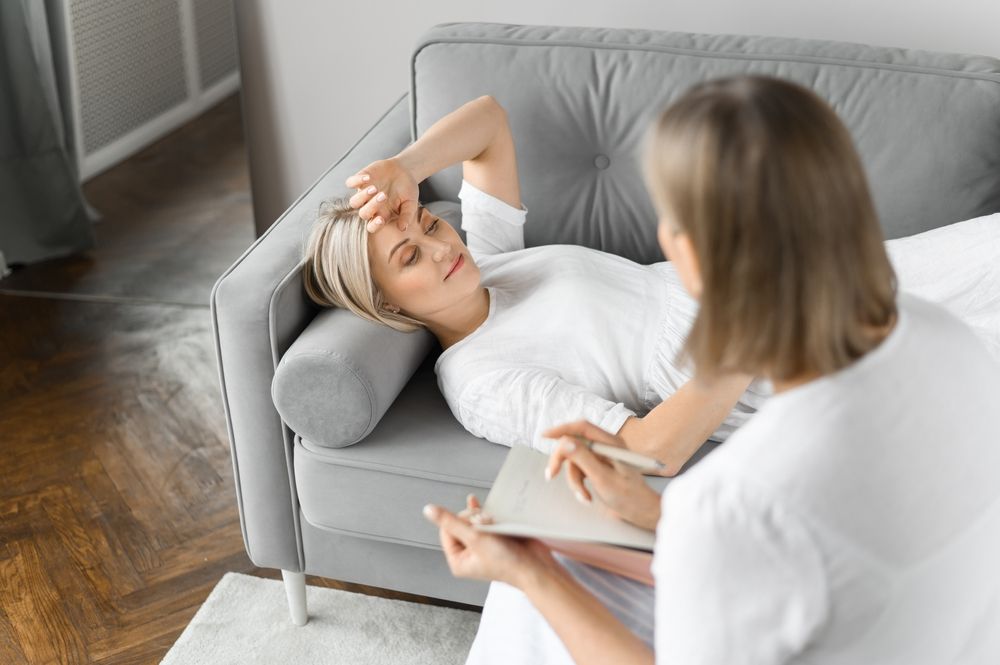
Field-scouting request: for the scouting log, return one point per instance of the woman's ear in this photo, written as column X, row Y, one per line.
column 677, row 247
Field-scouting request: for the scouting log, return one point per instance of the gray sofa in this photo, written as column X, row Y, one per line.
column 339, row 434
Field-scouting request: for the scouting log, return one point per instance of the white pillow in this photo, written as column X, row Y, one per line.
column 957, row 266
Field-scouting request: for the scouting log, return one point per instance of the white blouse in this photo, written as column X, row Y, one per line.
column 854, row 519
column 571, row 333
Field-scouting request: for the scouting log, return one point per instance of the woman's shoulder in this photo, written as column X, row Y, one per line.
column 955, row 348
column 943, row 320
column 474, row 357
column 716, row 496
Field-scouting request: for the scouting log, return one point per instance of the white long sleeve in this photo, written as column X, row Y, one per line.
column 514, row 406
column 491, row 226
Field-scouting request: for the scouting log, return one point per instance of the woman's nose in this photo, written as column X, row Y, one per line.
column 441, row 249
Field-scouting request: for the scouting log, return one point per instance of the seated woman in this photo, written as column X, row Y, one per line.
column 530, row 337
column 856, row 517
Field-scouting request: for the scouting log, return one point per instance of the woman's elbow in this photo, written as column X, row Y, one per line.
column 496, row 109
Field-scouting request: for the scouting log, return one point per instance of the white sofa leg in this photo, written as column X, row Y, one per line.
column 295, row 589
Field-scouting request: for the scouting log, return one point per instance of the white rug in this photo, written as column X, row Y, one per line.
column 245, row 620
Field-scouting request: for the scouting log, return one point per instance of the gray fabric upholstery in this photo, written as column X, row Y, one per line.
column 926, row 124
column 342, row 373
column 418, row 453
column 579, row 101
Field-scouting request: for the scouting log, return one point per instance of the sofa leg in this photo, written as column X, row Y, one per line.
column 295, row 589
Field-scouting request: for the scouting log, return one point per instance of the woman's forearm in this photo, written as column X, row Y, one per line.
column 588, row 629
column 674, row 430
column 462, row 135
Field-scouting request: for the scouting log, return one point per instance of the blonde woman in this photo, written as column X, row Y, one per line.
column 530, row 337
column 533, row 337
column 856, row 517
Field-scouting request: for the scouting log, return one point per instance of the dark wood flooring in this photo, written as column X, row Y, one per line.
column 117, row 509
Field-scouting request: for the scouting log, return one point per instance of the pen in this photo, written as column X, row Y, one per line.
column 629, row 457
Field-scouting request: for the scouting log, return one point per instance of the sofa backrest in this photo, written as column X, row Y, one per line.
column 579, row 101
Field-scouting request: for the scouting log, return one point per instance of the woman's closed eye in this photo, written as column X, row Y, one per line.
column 411, row 258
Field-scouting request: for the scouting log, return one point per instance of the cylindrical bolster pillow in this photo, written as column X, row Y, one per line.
column 339, row 377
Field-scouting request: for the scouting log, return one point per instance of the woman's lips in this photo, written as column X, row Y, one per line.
column 459, row 262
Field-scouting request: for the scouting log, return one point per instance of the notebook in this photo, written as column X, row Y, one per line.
column 523, row 503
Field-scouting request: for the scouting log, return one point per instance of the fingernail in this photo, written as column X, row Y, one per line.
column 568, row 446
column 365, row 178
column 582, row 498
column 548, row 473
column 381, row 195
column 429, row 511
column 371, row 190
column 377, row 221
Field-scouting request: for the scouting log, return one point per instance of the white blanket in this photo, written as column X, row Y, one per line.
column 958, row 267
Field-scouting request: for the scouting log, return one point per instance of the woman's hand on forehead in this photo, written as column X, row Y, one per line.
column 409, row 213
column 386, row 191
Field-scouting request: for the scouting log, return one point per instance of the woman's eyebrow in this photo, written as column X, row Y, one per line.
column 397, row 246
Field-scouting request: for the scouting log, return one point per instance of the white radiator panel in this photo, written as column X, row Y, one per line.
column 216, row 31
column 140, row 68
column 129, row 65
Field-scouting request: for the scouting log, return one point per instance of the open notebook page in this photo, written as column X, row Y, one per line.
column 523, row 503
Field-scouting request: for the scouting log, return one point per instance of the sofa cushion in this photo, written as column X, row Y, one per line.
column 417, row 454
column 579, row 101
column 337, row 379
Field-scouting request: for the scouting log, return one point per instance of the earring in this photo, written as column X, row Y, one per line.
column 392, row 308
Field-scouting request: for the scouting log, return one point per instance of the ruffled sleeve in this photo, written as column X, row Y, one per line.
column 491, row 226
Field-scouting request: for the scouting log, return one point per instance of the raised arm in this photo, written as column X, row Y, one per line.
column 674, row 430
column 475, row 134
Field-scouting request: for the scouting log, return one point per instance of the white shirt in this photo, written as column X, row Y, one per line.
column 854, row 519
column 571, row 333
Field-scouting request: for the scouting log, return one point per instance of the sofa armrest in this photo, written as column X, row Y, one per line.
column 258, row 308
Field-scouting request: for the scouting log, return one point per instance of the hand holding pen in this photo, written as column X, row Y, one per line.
column 613, row 471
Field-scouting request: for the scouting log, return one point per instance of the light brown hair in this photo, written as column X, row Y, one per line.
column 764, row 178
column 337, row 272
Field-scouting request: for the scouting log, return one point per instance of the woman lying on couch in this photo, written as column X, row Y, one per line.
column 856, row 517
column 530, row 337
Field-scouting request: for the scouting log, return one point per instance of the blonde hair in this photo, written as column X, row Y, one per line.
column 763, row 177
column 337, row 271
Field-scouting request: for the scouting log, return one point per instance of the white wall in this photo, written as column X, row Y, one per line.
column 317, row 74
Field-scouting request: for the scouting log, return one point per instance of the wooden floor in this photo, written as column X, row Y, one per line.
column 117, row 505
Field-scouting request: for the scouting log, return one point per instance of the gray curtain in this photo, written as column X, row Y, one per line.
column 43, row 213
